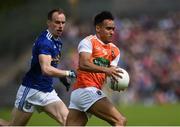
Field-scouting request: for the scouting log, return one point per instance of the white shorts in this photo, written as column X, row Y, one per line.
column 83, row 98
column 27, row 99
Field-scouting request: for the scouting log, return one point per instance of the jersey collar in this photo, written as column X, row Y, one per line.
column 99, row 40
column 50, row 36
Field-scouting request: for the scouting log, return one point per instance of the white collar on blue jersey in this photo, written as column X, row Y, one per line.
column 50, row 36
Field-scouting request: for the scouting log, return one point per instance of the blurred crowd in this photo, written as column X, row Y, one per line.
column 151, row 48
column 150, row 52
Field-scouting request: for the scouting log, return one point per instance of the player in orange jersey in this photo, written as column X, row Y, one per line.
column 98, row 58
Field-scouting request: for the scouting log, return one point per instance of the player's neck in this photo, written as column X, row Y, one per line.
column 103, row 41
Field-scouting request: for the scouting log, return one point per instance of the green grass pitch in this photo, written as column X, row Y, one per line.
column 137, row 115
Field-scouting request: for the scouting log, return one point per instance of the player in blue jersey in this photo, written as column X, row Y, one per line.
column 36, row 90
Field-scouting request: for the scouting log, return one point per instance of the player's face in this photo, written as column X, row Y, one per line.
column 106, row 31
column 56, row 25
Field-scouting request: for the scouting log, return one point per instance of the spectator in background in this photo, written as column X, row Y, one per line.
column 36, row 90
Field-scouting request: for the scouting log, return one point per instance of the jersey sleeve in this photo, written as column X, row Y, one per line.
column 85, row 46
column 116, row 54
column 115, row 61
column 44, row 48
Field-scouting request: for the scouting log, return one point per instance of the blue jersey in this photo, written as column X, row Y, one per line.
column 45, row 44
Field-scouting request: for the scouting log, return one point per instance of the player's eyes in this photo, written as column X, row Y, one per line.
column 58, row 22
column 110, row 28
column 63, row 22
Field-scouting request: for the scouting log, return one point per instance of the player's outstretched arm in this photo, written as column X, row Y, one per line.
column 47, row 69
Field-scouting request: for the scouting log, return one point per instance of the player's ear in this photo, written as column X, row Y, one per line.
column 97, row 28
column 48, row 22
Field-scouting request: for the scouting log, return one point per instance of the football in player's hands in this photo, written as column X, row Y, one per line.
column 120, row 83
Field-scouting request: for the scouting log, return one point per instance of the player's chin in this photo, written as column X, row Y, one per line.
column 110, row 40
column 59, row 32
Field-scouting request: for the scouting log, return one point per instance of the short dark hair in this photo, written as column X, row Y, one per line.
column 60, row 11
column 99, row 18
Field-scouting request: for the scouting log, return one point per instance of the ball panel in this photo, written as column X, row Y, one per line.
column 122, row 83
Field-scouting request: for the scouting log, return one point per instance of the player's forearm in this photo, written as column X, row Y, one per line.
column 52, row 71
column 91, row 67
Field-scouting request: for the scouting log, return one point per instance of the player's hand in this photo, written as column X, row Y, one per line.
column 67, row 85
column 65, row 82
column 113, row 72
column 72, row 74
column 114, row 86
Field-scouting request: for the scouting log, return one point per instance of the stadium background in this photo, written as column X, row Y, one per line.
column 148, row 35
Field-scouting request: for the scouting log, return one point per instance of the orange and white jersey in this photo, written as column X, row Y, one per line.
column 108, row 52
